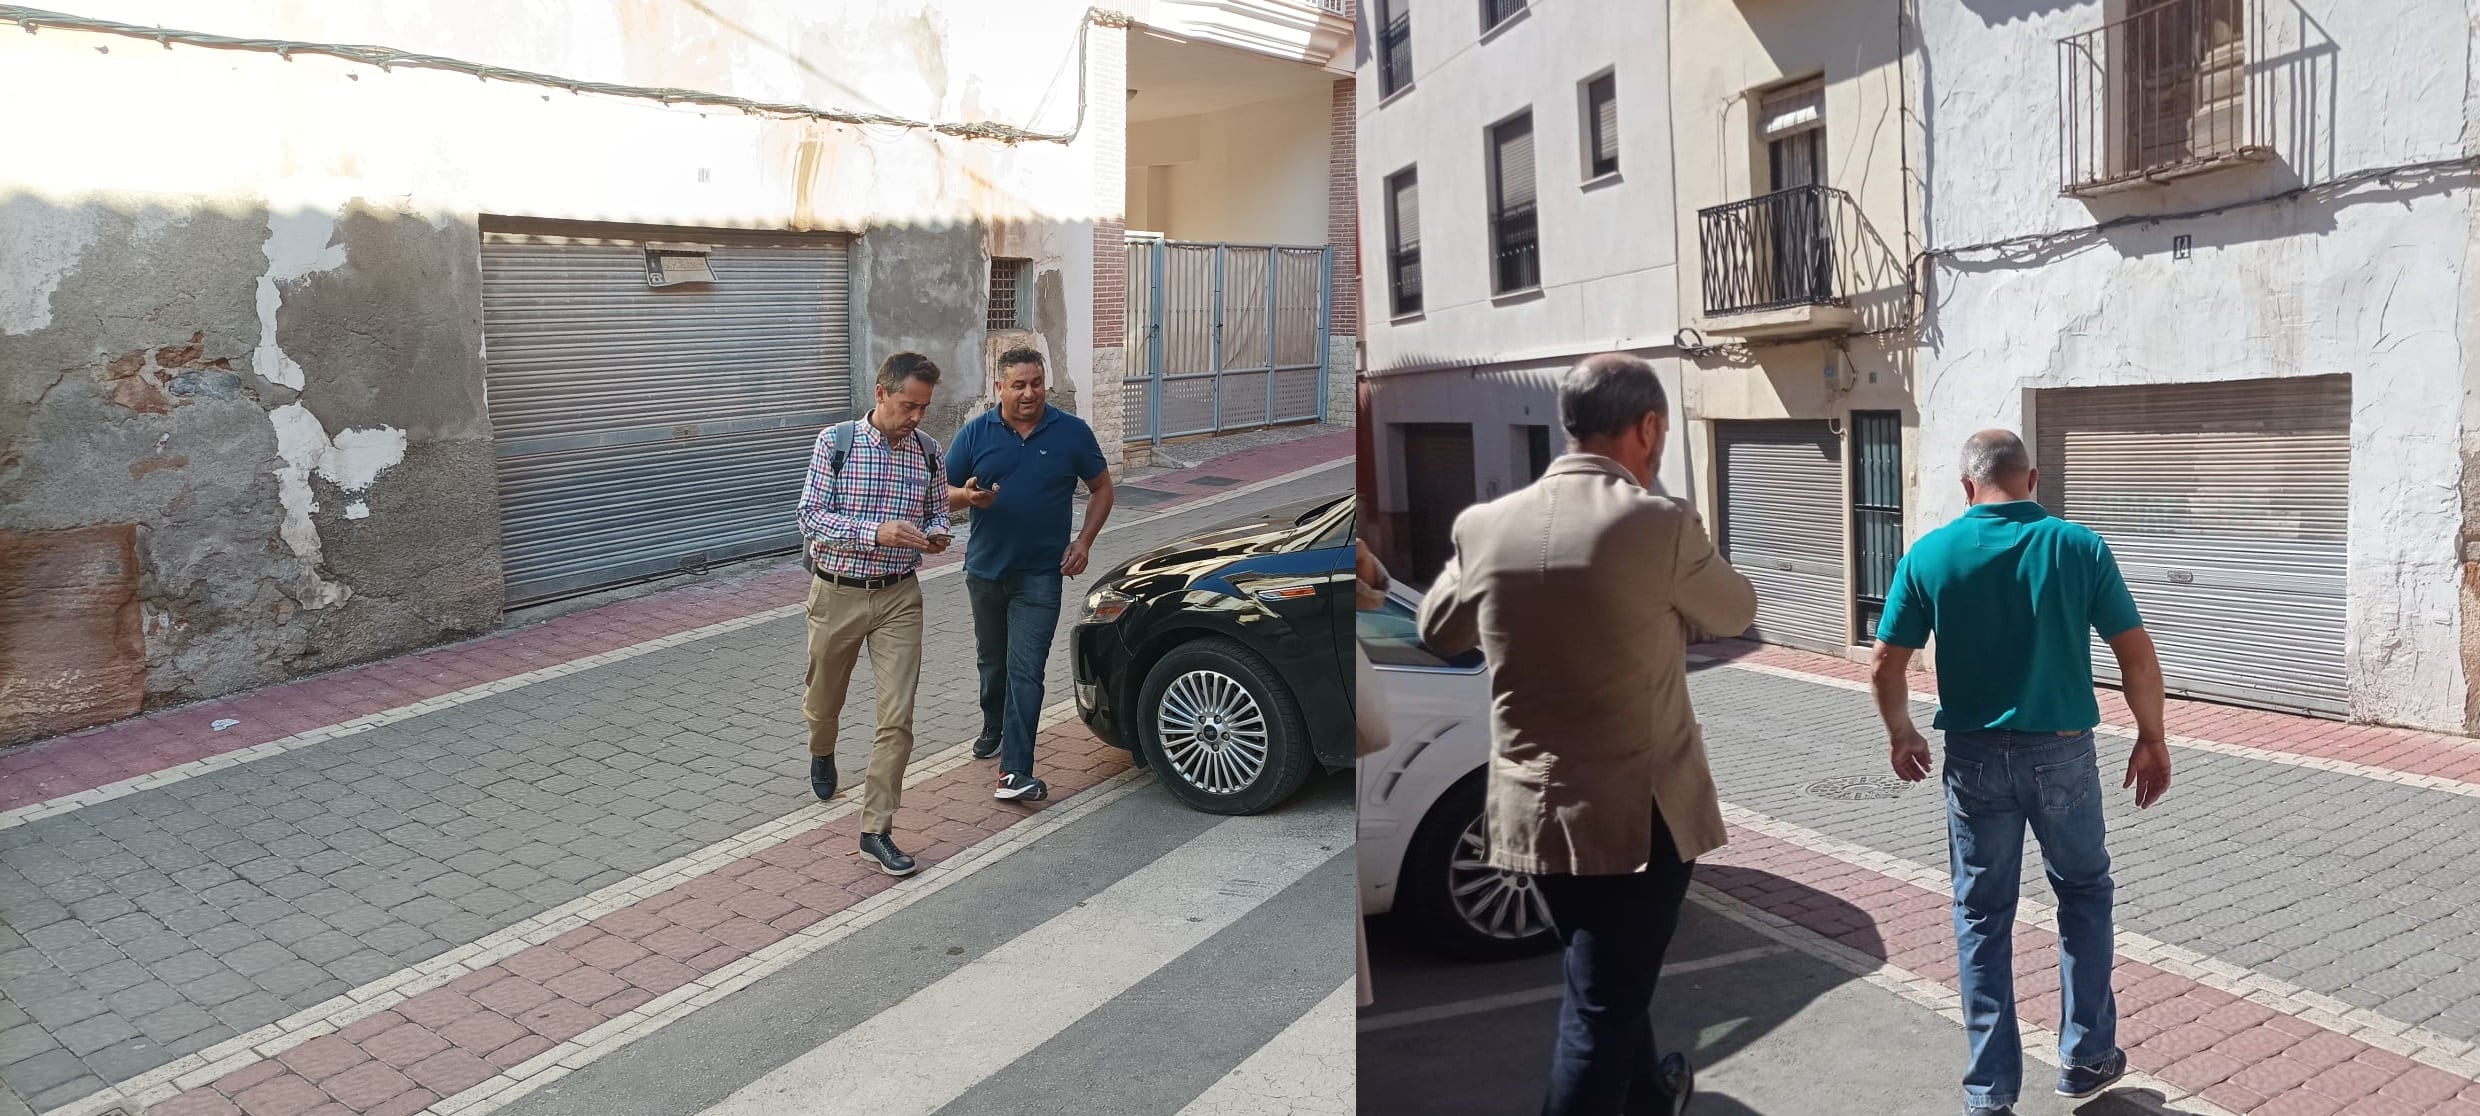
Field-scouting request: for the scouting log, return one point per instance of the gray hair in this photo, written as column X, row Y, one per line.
column 1995, row 457
column 1609, row 393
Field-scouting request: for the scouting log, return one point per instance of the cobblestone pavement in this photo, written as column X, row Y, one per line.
column 390, row 887
column 2295, row 933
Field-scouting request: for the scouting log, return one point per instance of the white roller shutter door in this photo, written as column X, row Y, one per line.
column 2228, row 506
column 1782, row 527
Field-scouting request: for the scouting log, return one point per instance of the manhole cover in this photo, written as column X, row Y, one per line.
column 1137, row 497
column 1855, row 788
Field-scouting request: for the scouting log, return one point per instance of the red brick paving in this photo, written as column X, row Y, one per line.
column 108, row 754
column 2236, row 1053
column 433, row 1044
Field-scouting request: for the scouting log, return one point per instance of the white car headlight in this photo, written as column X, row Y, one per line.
column 1105, row 604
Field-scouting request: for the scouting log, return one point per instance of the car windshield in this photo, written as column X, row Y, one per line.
column 1391, row 637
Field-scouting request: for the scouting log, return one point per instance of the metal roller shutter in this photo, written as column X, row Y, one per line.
column 2227, row 505
column 643, row 430
column 1782, row 527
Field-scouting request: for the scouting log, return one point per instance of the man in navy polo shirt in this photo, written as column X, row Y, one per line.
column 1017, row 465
column 2014, row 596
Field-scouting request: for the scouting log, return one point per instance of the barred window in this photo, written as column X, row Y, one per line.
column 1005, row 277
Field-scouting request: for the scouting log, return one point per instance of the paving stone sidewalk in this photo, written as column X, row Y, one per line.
column 160, row 922
column 2304, row 938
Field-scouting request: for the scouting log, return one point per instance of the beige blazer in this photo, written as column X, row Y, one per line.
column 1583, row 590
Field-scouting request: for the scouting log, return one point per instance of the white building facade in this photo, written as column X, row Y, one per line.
column 312, row 353
column 1516, row 214
column 2212, row 257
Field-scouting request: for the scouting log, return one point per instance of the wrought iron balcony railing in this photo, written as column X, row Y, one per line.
column 2158, row 94
column 1406, row 280
column 1516, row 239
column 1395, row 52
column 1771, row 252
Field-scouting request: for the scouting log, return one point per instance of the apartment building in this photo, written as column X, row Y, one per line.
column 1516, row 214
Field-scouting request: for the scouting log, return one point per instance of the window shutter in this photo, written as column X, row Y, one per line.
column 1515, row 163
column 1793, row 109
column 1605, row 99
column 1407, row 212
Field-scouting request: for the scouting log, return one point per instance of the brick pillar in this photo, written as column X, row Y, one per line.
column 1343, row 230
column 1106, row 122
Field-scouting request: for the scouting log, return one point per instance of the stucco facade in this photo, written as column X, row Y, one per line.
column 1848, row 344
column 2311, row 258
column 1472, row 355
column 242, row 359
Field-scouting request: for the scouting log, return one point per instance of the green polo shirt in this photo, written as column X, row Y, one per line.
column 2013, row 594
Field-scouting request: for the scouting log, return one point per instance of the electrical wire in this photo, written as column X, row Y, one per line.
column 386, row 58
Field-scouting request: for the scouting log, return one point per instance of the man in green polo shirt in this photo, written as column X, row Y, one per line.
column 2013, row 595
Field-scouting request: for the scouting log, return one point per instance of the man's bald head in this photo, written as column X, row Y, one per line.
column 1612, row 405
column 1609, row 393
column 1996, row 465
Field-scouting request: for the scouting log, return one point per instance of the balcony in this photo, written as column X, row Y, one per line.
column 1772, row 268
column 1318, row 32
column 2158, row 95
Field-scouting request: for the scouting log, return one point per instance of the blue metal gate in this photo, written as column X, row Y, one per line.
column 1225, row 337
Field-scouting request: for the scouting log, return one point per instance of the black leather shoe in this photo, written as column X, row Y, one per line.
column 985, row 747
column 1680, row 1078
column 822, row 776
column 891, row 859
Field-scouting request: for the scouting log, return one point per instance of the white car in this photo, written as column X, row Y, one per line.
column 1420, row 847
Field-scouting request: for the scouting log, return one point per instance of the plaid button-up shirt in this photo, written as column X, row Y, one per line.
column 840, row 512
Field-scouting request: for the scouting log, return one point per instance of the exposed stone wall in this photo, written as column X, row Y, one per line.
column 282, row 413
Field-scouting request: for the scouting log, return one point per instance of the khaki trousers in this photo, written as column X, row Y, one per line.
column 841, row 620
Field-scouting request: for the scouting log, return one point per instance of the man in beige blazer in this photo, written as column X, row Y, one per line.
column 1584, row 590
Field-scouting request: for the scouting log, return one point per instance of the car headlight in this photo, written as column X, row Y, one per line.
column 1105, row 604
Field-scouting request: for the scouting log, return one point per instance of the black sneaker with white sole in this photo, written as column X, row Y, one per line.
column 985, row 747
column 1021, row 788
column 891, row 860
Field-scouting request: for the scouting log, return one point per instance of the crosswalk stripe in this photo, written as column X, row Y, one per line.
column 1304, row 1070
column 1483, row 1005
column 941, row 1041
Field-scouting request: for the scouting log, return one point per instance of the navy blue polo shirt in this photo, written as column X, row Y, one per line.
column 1026, row 529
column 2014, row 595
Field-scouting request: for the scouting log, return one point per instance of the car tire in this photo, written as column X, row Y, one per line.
column 1444, row 854
column 1241, row 710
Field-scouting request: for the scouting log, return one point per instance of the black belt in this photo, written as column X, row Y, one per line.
column 871, row 584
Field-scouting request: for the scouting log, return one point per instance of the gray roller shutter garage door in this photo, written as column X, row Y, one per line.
column 1782, row 527
column 2227, row 505
column 644, row 430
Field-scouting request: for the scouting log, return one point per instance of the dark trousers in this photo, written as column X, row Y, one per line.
column 1615, row 930
column 1014, row 618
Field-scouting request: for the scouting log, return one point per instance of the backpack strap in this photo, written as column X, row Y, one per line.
column 843, row 443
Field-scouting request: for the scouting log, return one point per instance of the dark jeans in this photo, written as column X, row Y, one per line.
column 1615, row 930
column 1014, row 618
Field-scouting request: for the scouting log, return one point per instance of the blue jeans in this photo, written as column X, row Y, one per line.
column 1014, row 618
column 1996, row 783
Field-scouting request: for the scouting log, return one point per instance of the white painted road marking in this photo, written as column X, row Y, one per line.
column 940, row 1042
column 1306, row 1070
column 1483, row 1005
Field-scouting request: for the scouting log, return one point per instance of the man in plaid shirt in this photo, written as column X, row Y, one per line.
column 867, row 524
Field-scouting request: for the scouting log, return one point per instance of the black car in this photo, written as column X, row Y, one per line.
column 1222, row 660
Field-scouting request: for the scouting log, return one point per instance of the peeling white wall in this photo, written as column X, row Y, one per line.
column 2367, row 282
column 305, row 137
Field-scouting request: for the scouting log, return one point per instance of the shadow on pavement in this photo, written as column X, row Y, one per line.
column 1772, row 1031
column 1706, row 656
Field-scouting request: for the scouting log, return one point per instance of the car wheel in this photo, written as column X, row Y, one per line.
column 1466, row 907
column 1220, row 730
